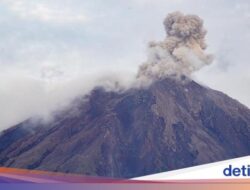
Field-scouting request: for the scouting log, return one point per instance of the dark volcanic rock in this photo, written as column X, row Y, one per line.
column 168, row 126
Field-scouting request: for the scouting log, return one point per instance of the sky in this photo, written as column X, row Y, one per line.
column 53, row 51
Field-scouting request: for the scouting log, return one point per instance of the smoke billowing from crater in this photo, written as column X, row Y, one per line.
column 181, row 53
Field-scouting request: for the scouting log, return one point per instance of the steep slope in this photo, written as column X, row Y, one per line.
column 167, row 126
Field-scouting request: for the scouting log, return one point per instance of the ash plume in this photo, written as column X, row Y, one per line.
column 181, row 53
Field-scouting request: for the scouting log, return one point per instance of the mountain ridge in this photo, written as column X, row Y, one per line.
column 169, row 125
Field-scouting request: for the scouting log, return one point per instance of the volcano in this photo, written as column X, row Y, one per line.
column 169, row 125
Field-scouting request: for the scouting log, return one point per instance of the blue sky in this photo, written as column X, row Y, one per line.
column 45, row 44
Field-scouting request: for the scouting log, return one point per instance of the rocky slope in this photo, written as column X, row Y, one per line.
column 167, row 126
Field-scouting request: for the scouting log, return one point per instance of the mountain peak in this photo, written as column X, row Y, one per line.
column 168, row 125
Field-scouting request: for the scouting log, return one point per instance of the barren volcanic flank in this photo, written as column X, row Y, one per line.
column 169, row 125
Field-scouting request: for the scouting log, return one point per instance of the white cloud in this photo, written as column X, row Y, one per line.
column 23, row 96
